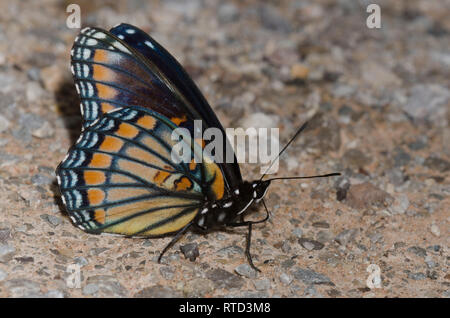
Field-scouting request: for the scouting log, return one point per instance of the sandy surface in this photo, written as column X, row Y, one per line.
column 379, row 103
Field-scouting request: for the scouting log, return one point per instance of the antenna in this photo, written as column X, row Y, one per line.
column 284, row 148
column 301, row 177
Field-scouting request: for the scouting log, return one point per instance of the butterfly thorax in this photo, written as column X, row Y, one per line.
column 228, row 209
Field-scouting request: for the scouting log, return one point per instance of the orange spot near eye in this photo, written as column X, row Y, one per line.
column 127, row 130
column 178, row 120
column 100, row 216
column 106, row 107
column 147, row 122
column 102, row 73
column 100, row 160
column 101, row 56
column 111, row 144
column 160, row 177
column 95, row 196
column 183, row 184
column 105, row 91
column 94, row 177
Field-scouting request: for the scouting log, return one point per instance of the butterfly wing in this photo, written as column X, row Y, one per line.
column 121, row 177
column 126, row 67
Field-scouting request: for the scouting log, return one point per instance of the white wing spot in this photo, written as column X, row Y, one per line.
column 149, row 44
column 130, row 31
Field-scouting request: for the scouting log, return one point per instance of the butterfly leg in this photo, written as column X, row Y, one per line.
column 177, row 236
column 249, row 235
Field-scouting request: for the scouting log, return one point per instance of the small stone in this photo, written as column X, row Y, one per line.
column 90, row 289
column 435, row 230
column 419, row 251
column 54, row 294
column 401, row 157
column 311, row 277
column 272, row 19
column 190, row 251
column 427, row 102
column 299, row 71
column 285, row 279
column 420, row 143
column 342, row 185
column 198, row 287
column 81, row 261
column 366, row 195
column 45, row 131
column 34, row 92
column 3, row 275
column 322, row 225
column 346, row 236
column 52, row 77
column 6, row 253
column 223, row 279
column 108, row 285
column 262, row 284
column 416, row 276
column 41, row 179
column 355, row 158
column 4, row 124
column 167, row 272
column 20, row 287
column 297, row 232
column 310, row 244
column 401, row 204
column 246, row 271
column 228, row 12
column 158, row 291
column 438, row 164
column 51, row 219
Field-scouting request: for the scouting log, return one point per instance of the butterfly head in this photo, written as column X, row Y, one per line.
column 259, row 189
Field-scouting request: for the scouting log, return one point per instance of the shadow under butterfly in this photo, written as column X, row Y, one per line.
column 119, row 177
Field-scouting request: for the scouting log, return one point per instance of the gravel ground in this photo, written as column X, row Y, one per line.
column 378, row 100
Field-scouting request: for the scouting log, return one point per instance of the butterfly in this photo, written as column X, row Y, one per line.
column 120, row 176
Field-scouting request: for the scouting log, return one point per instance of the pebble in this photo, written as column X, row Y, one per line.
column 419, row 251
column 90, row 289
column 228, row 12
column 438, row 164
column 223, row 279
column 44, row 131
column 367, row 195
column 272, row 19
column 167, row 272
column 355, row 158
column 107, row 285
column 158, row 291
column 51, row 219
column 190, row 251
column 416, row 276
column 82, row 261
column 434, row 96
column 4, row 123
column 6, row 253
column 297, row 232
column 3, row 275
column 346, row 236
column 198, row 287
column 311, row 277
column 285, row 279
column 299, row 71
column 310, row 244
column 21, row 287
column 262, row 284
column 400, row 205
column 246, row 271
column 41, row 179
column 435, row 230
